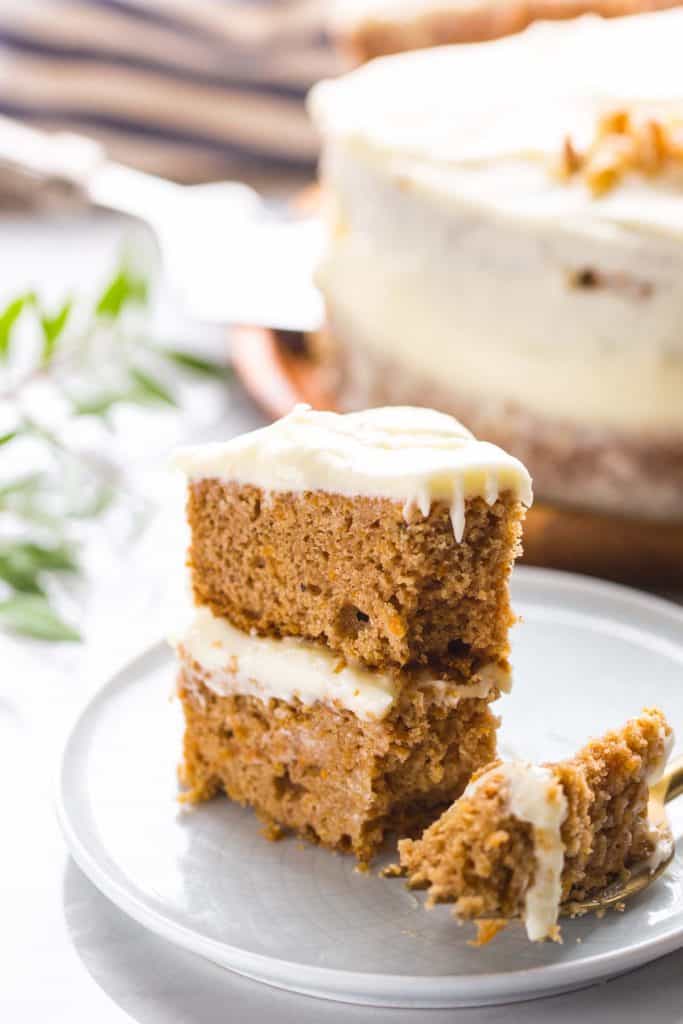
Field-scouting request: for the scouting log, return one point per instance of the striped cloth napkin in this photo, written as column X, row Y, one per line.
column 191, row 89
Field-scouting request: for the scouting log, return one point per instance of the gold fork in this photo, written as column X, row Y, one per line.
column 663, row 792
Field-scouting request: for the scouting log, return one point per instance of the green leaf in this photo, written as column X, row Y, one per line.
column 146, row 388
column 59, row 557
column 143, row 388
column 8, row 318
column 197, row 364
column 99, row 405
column 21, row 563
column 27, row 484
column 25, row 498
column 52, row 329
column 125, row 288
column 6, row 438
column 31, row 615
column 21, row 576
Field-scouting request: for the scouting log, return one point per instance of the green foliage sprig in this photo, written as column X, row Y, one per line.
column 40, row 507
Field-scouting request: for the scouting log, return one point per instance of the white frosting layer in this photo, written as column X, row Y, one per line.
column 663, row 846
column 600, row 359
column 535, row 795
column 233, row 662
column 453, row 247
column 475, row 120
column 415, row 456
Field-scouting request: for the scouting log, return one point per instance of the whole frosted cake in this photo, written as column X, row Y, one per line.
column 506, row 244
column 350, row 621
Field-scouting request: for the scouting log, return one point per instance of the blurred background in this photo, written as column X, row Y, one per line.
column 91, row 404
column 103, row 371
column 194, row 91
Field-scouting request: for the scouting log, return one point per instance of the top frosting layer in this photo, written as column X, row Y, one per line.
column 415, row 456
column 484, row 121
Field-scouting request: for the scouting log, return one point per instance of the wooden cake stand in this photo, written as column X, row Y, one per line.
column 277, row 370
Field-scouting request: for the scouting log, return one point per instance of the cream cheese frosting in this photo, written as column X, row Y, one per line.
column 442, row 119
column 414, row 456
column 232, row 662
column 534, row 795
column 454, row 251
column 663, row 844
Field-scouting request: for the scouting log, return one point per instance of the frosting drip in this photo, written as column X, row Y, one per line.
column 535, row 795
column 414, row 456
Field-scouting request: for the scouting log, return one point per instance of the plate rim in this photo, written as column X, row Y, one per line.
column 359, row 987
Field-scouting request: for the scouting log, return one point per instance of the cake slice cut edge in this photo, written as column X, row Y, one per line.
column 525, row 839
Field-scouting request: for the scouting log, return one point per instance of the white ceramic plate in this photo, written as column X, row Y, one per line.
column 587, row 656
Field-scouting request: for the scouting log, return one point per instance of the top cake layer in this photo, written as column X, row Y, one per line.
column 414, row 456
column 386, row 536
column 488, row 121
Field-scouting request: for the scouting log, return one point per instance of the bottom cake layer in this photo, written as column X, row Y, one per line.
column 323, row 772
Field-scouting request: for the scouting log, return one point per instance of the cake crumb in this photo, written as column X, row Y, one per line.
column 392, row 871
column 272, row 832
column 487, row 930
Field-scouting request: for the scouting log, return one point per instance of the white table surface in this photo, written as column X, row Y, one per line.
column 66, row 954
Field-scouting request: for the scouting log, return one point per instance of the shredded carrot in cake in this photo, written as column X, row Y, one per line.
column 487, row 930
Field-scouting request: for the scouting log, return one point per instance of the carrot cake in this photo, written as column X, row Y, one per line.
column 524, row 838
column 504, row 244
column 365, row 29
column 351, row 615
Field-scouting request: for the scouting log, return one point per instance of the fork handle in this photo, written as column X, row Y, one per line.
column 671, row 783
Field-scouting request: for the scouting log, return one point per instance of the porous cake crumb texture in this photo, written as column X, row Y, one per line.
column 327, row 774
column 353, row 574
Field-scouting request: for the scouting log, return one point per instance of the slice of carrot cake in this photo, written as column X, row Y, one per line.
column 350, row 579
column 525, row 838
